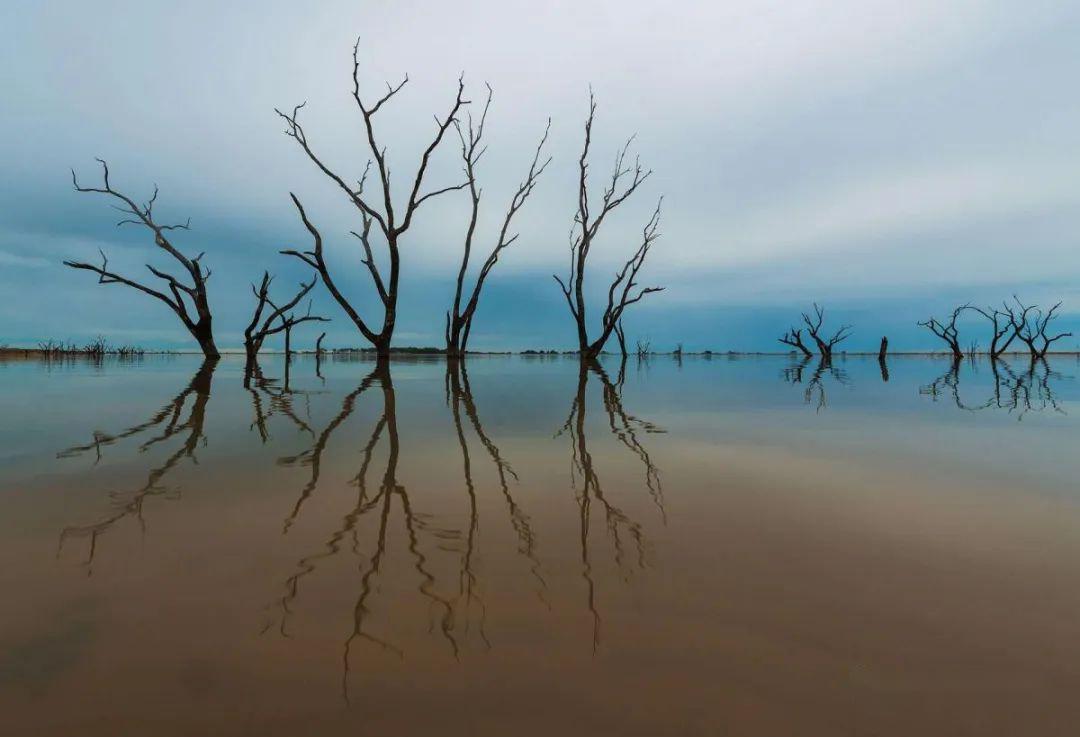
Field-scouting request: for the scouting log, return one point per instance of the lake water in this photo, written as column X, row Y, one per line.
column 745, row 546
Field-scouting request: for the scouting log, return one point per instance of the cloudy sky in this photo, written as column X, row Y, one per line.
column 888, row 159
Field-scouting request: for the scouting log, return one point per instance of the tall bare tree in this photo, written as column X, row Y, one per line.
column 276, row 320
column 948, row 331
column 1001, row 327
column 624, row 181
column 824, row 343
column 391, row 223
column 459, row 321
column 180, row 294
column 1030, row 325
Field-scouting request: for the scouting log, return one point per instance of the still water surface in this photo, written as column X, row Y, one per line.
column 757, row 546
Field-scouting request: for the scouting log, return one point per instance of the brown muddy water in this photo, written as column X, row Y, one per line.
column 705, row 547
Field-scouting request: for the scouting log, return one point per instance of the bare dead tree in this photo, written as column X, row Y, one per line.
column 948, row 331
column 624, row 181
column 180, row 293
column 814, row 325
column 276, row 321
column 1030, row 324
column 1002, row 329
column 288, row 322
column 372, row 213
column 793, row 337
column 459, row 321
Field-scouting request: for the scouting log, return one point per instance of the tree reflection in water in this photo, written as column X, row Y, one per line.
column 586, row 481
column 1017, row 391
column 173, row 422
column 815, row 392
column 453, row 613
column 456, row 613
column 455, row 600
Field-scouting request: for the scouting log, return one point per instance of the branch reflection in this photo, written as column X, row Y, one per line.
column 815, row 392
column 1019, row 392
column 173, row 421
column 587, row 486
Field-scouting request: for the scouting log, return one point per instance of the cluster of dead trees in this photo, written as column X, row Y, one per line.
column 385, row 217
column 1030, row 324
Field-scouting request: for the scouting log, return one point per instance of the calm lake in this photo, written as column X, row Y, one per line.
column 724, row 545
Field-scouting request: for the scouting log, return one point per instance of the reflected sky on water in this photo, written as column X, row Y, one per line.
column 761, row 544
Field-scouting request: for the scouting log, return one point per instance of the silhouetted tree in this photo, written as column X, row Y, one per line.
column 814, row 326
column 180, row 293
column 793, row 338
column 276, row 320
column 458, row 320
column 1030, row 324
column 383, row 215
column 621, row 292
column 948, row 331
column 1001, row 327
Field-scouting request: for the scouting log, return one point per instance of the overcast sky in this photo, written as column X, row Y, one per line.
column 888, row 159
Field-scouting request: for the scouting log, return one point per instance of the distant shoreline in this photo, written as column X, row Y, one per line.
column 7, row 351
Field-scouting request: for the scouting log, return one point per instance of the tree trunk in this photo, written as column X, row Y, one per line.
column 381, row 345
column 205, row 337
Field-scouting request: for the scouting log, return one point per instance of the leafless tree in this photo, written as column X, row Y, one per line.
column 179, row 292
column 793, row 338
column 948, row 331
column 291, row 320
column 814, row 325
column 458, row 320
column 383, row 215
column 276, row 320
column 624, row 181
column 1030, row 324
column 1002, row 329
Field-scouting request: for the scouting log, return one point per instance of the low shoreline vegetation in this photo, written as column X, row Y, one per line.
column 96, row 347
